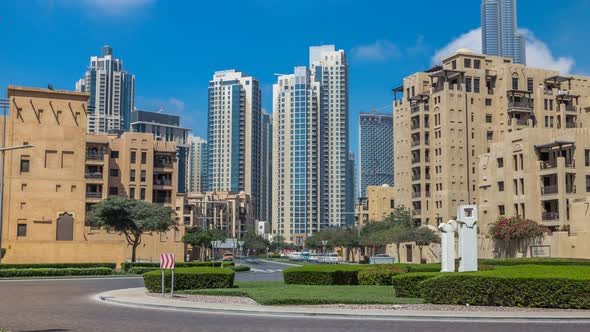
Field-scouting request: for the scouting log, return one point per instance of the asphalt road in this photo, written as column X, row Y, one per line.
column 68, row 305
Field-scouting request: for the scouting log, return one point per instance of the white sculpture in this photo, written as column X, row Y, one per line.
column 447, row 243
column 467, row 218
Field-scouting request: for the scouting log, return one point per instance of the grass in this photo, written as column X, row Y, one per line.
column 278, row 293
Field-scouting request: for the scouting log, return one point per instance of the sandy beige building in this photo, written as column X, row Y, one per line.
column 50, row 187
column 482, row 130
column 380, row 202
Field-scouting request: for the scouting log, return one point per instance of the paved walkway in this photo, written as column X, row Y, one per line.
column 139, row 297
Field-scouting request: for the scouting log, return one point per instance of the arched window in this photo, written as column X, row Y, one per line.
column 514, row 81
column 65, row 227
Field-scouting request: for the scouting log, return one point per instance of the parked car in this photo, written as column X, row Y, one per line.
column 228, row 257
column 331, row 258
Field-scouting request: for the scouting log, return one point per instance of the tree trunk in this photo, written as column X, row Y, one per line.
column 134, row 250
column 203, row 253
column 399, row 256
column 420, row 249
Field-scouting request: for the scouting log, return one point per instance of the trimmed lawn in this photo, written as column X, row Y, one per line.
column 278, row 293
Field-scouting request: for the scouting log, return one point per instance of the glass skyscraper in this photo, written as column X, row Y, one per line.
column 499, row 30
column 112, row 92
column 376, row 150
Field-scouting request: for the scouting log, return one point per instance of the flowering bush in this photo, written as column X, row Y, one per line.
column 506, row 230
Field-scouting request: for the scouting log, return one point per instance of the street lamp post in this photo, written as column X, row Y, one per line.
column 4, row 105
column 324, row 242
column 241, row 244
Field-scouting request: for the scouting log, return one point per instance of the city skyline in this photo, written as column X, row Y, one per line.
column 377, row 53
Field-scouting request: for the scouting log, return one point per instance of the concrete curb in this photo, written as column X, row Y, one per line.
column 137, row 297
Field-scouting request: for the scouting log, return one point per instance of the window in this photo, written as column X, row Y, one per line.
column 490, row 135
column 132, row 193
column 467, row 63
column 142, row 194
column 501, row 210
column 500, row 162
column 143, row 175
column 113, row 172
column 25, row 163
column 588, row 183
column 468, row 84
column 587, row 156
column 113, row 191
column 133, row 156
column 476, row 64
column 488, row 102
column 454, row 64
column 488, row 118
column 114, row 154
column 476, row 85
column 392, row 204
column 501, row 186
column 21, row 230
column 530, row 84
column 515, row 83
column 143, row 157
column 132, row 175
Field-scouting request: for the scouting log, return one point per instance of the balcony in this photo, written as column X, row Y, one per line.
column 520, row 106
column 426, row 108
column 415, row 126
column 94, row 156
column 93, row 195
column 549, row 216
column 427, row 194
column 93, row 175
column 571, row 108
column 162, row 182
column 415, row 109
column 426, row 124
column 570, row 124
column 415, row 143
column 549, row 190
column 163, row 200
column 415, row 177
column 415, row 160
column 547, row 164
column 416, row 194
column 427, row 176
column 570, row 163
column 163, row 164
column 427, row 142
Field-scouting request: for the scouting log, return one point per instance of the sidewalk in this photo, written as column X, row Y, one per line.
column 139, row 297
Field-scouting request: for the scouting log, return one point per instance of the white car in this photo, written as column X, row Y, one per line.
column 296, row 256
column 331, row 258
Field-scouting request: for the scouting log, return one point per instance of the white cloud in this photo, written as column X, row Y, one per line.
column 537, row 52
column 115, row 7
column 171, row 105
column 380, row 50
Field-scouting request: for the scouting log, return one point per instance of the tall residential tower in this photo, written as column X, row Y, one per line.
column 376, row 150
column 112, row 93
column 234, row 134
column 197, row 170
column 499, row 30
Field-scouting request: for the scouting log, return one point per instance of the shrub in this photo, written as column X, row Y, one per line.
column 58, row 266
column 535, row 261
column 190, row 278
column 44, row 272
column 323, row 275
column 528, row 286
column 408, row 284
column 128, row 265
column 240, row 268
column 379, row 275
column 141, row 269
column 2, row 253
column 431, row 267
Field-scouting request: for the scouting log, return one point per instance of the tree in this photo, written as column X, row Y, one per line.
column 254, row 241
column 198, row 237
column 516, row 228
column 277, row 242
column 398, row 235
column 132, row 218
column 424, row 236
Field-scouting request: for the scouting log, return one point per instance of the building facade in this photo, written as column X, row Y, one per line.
column 484, row 130
column 50, row 187
column 499, row 30
column 234, row 134
column 376, row 150
column 329, row 67
column 166, row 127
column 297, row 209
column 265, row 206
column 112, row 93
column 380, row 202
column 197, row 170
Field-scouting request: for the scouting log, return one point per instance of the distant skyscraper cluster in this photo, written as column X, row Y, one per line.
column 310, row 147
column 499, row 30
column 376, row 150
column 112, row 92
column 197, row 170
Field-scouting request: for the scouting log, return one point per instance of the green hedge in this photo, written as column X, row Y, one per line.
column 431, row 267
column 541, row 286
column 408, row 284
column 535, row 261
column 15, row 273
column 240, row 268
column 379, row 275
column 190, row 278
column 58, row 266
column 323, row 275
column 142, row 269
column 128, row 265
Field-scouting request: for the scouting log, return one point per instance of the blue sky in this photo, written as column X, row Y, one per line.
column 173, row 47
